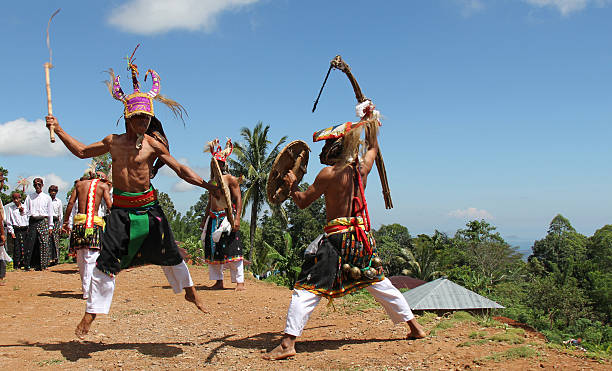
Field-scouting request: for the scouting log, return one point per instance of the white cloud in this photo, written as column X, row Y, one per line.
column 470, row 213
column 469, row 7
column 147, row 17
column 565, row 7
column 23, row 137
column 183, row 186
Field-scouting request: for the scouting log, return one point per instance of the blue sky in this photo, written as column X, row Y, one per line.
column 493, row 109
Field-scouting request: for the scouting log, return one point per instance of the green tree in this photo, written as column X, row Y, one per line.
column 305, row 224
column 167, row 205
column 487, row 254
column 254, row 161
column 562, row 245
column 393, row 243
column 6, row 198
column 423, row 263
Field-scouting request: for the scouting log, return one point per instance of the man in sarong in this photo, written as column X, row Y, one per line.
column 137, row 231
column 39, row 208
column 87, row 226
column 58, row 216
column 346, row 259
column 17, row 225
column 222, row 245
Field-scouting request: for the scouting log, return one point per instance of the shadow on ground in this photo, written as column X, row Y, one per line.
column 75, row 350
column 62, row 294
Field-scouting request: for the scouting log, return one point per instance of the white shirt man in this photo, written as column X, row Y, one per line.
column 58, row 210
column 15, row 217
column 40, row 205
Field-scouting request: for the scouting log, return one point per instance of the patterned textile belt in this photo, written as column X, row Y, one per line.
column 217, row 214
column 80, row 219
column 344, row 225
column 16, row 228
column 130, row 200
column 37, row 218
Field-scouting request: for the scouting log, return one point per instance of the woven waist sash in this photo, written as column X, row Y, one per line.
column 344, row 225
column 81, row 218
column 138, row 204
column 131, row 200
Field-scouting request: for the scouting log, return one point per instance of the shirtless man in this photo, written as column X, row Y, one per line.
column 225, row 249
column 87, row 226
column 137, row 231
column 347, row 238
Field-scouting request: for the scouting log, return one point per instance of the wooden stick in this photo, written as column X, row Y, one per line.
column 49, row 104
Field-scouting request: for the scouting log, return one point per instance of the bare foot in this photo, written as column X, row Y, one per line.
column 280, row 352
column 217, row 286
column 416, row 330
column 240, row 287
column 191, row 296
column 83, row 327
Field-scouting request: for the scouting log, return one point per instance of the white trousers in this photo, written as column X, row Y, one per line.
column 304, row 302
column 215, row 271
column 103, row 286
column 86, row 261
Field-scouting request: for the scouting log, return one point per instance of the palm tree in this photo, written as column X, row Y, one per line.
column 254, row 161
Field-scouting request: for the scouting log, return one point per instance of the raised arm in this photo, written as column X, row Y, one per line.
column 77, row 148
column 183, row 171
column 312, row 193
column 371, row 153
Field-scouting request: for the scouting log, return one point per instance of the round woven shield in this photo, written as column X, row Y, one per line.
column 293, row 157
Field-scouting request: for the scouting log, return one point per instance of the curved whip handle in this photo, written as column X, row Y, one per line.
column 340, row 64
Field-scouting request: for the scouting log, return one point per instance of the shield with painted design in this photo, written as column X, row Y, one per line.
column 293, row 157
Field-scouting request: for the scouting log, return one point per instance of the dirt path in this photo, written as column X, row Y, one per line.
column 151, row 328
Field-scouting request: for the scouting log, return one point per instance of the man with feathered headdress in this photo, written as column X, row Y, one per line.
column 221, row 241
column 345, row 258
column 137, row 231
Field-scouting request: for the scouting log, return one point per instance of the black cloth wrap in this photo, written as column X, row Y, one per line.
column 158, row 248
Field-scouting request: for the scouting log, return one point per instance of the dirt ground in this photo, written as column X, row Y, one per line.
column 149, row 327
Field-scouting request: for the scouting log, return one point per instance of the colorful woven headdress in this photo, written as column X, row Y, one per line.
column 139, row 102
column 363, row 110
column 215, row 149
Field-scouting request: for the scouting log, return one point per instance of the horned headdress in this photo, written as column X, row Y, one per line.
column 139, row 102
column 215, row 149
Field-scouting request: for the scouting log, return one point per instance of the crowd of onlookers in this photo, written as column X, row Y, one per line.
column 30, row 229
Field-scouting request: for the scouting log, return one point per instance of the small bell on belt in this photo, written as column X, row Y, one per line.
column 346, row 268
column 355, row 273
column 376, row 262
column 370, row 273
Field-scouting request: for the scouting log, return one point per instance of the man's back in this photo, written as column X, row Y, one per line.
column 340, row 190
column 82, row 189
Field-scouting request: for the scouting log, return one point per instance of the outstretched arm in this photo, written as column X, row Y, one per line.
column 183, row 171
column 77, row 148
column 313, row 192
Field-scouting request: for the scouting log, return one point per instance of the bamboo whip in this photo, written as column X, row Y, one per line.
column 48, row 66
